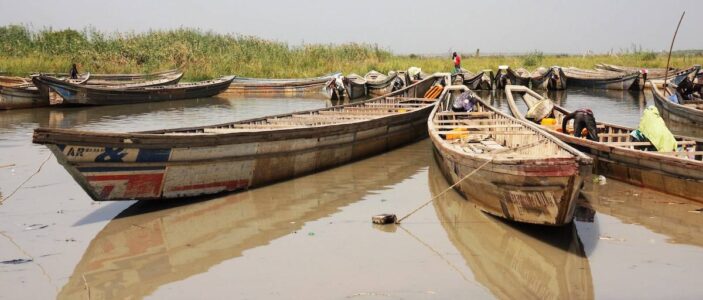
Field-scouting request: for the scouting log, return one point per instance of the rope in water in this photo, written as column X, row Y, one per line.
column 25, row 181
column 444, row 191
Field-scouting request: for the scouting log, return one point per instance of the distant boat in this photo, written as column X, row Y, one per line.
column 480, row 81
column 510, row 168
column 654, row 76
column 354, row 88
column 76, row 94
column 30, row 96
column 186, row 162
column 599, row 79
column 378, row 84
column 548, row 79
column 686, row 113
column 281, row 87
column 507, row 76
column 617, row 156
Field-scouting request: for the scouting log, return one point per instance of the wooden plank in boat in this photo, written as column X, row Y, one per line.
column 487, row 132
column 646, row 143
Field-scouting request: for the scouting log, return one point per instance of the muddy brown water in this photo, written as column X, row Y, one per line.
column 311, row 237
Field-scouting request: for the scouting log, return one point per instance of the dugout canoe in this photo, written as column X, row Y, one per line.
column 511, row 260
column 121, row 79
column 480, row 81
column 29, row 95
column 225, row 227
column 617, row 156
column 507, row 76
column 599, row 79
column 378, row 84
column 686, row 116
column 282, row 86
column 510, row 168
column 551, row 79
column 656, row 76
column 76, row 94
column 186, row 162
column 354, row 88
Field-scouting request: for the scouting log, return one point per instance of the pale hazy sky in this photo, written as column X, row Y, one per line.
column 408, row 26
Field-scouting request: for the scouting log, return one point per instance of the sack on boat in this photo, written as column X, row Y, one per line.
column 674, row 98
column 652, row 126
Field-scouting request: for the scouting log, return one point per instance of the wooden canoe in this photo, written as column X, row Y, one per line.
column 599, row 79
column 120, row 79
column 226, row 227
column 656, row 76
column 480, row 81
column 280, row 87
column 617, row 156
column 187, row 162
column 354, row 88
column 551, row 79
column 513, row 261
column 29, row 95
column 9, row 81
column 520, row 172
column 506, row 76
column 378, row 84
column 76, row 94
column 686, row 117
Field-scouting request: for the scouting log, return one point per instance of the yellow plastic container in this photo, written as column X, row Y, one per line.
column 549, row 121
column 456, row 136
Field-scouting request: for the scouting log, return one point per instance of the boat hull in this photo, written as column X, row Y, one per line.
column 550, row 82
column 279, row 87
column 623, row 83
column 17, row 98
column 680, row 118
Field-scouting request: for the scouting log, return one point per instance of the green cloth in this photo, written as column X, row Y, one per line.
column 653, row 127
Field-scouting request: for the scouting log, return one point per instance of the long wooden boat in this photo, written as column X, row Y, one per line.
column 653, row 76
column 617, row 156
column 378, row 84
column 354, row 88
column 551, row 79
column 521, row 173
column 185, row 162
column 121, row 79
column 226, row 227
column 513, row 261
column 686, row 116
column 480, row 81
column 507, row 76
column 9, row 81
column 600, row 79
column 76, row 94
column 30, row 96
column 282, row 87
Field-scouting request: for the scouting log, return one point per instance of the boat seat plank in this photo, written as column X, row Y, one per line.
column 626, row 144
column 486, row 132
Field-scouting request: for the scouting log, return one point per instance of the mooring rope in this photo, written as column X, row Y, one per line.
column 444, row 191
column 25, row 181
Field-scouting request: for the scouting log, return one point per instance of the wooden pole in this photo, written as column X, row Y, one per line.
column 668, row 59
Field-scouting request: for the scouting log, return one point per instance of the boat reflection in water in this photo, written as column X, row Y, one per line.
column 514, row 261
column 679, row 219
column 148, row 246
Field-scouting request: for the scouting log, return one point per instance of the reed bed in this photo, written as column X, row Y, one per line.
column 205, row 54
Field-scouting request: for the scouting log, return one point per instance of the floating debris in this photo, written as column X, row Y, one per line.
column 16, row 261
column 384, row 219
column 36, row 227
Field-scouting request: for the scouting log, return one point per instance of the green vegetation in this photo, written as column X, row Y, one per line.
column 206, row 54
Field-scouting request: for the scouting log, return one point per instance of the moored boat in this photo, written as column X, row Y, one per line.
column 281, row 87
column 9, row 81
column 617, row 156
column 480, row 81
column 510, row 168
column 506, row 76
column 176, row 163
column 649, row 77
column 353, row 87
column 29, row 95
column 378, row 84
column 548, row 79
column 682, row 115
column 76, row 94
column 600, row 79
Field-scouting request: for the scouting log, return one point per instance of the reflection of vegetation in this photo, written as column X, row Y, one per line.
column 207, row 54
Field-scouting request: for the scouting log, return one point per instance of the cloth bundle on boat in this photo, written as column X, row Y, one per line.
column 654, row 129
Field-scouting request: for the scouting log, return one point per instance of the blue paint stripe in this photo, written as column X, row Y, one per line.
column 153, row 155
column 120, row 169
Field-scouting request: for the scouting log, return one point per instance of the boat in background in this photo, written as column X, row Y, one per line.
column 77, row 94
column 551, row 79
column 281, row 87
column 378, row 84
column 652, row 76
column 187, row 162
column 507, row 76
column 683, row 115
column 599, row 79
column 617, row 156
column 30, row 95
column 480, row 81
column 352, row 87
column 510, row 168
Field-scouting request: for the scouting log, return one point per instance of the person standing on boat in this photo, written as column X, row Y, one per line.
column 457, row 62
column 583, row 118
column 74, row 72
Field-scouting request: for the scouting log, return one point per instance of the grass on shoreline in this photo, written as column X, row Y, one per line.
column 205, row 55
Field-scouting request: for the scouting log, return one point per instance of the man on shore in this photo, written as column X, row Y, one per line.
column 457, row 62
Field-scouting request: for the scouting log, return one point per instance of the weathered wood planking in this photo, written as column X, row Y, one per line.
column 187, row 162
column 677, row 115
column 549, row 79
column 528, row 177
column 280, row 87
column 600, row 79
column 506, row 76
column 677, row 174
